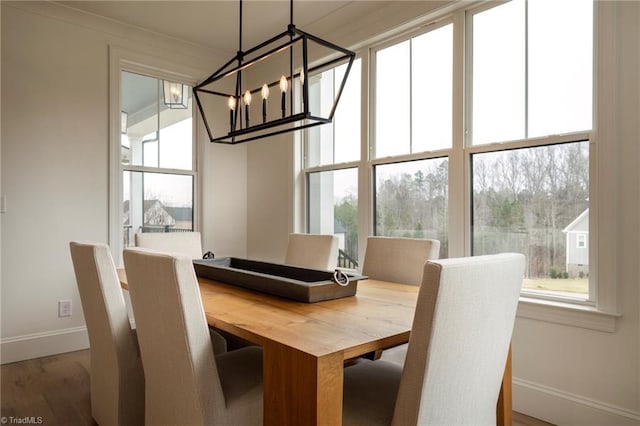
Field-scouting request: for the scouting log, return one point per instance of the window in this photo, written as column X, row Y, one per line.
column 157, row 159
column 339, row 141
column 413, row 92
column 581, row 241
column 332, row 186
column 333, row 209
column 413, row 117
column 411, row 200
column 531, row 80
column 531, row 68
column 527, row 200
column 479, row 136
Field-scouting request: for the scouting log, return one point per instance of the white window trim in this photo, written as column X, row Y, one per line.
column 122, row 59
column 603, row 194
column 602, row 315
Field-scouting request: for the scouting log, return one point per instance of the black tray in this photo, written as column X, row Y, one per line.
column 292, row 282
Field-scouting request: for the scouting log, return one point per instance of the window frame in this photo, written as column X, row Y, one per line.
column 581, row 240
column 523, row 144
column 124, row 60
column 602, row 311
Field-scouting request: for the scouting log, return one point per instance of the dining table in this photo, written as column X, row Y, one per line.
column 307, row 345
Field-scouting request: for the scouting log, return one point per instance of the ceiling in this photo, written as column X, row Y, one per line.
column 214, row 23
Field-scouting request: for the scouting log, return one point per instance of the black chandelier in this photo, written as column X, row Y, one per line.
column 281, row 65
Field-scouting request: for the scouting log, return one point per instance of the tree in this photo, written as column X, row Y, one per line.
column 346, row 214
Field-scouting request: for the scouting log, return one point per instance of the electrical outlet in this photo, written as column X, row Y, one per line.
column 64, row 308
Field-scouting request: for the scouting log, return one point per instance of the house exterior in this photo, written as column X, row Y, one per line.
column 577, row 234
column 157, row 218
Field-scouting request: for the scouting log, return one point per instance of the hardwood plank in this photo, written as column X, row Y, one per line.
column 53, row 390
column 520, row 419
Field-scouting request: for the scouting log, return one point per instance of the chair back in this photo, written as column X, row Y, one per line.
column 117, row 381
column 182, row 382
column 400, row 260
column 187, row 243
column 315, row 251
column 459, row 341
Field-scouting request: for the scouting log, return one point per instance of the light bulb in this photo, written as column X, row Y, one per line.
column 175, row 91
column 265, row 91
column 283, row 84
column 232, row 103
column 247, row 97
column 302, row 76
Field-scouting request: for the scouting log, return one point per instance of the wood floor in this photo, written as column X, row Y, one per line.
column 54, row 391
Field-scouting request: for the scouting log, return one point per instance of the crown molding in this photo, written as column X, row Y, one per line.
column 121, row 34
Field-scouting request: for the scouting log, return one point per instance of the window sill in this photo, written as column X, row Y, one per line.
column 567, row 314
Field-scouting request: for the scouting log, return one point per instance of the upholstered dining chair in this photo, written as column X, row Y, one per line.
column 117, row 380
column 315, row 251
column 457, row 352
column 188, row 243
column 399, row 260
column 185, row 382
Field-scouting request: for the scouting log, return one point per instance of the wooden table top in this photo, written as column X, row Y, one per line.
column 378, row 316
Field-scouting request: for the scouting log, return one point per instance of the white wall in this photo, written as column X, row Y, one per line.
column 269, row 200
column 223, row 217
column 55, row 166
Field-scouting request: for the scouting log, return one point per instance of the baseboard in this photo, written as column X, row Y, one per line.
column 20, row 348
column 563, row 408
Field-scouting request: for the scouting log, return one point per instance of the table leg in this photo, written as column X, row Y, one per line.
column 301, row 389
column 504, row 408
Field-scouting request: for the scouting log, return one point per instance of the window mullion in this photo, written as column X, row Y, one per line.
column 526, row 69
column 158, row 120
column 410, row 95
column 458, row 205
column 365, row 179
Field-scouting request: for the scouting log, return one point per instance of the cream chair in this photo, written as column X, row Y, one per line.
column 457, row 350
column 313, row 251
column 186, row 383
column 188, row 243
column 117, row 381
column 399, row 260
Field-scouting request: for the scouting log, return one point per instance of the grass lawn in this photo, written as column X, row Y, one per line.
column 568, row 285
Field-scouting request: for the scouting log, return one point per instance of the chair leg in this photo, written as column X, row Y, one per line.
column 505, row 407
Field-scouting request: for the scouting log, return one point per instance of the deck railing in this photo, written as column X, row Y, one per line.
column 163, row 228
column 346, row 261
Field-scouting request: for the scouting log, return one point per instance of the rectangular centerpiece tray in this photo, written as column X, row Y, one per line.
column 292, row 282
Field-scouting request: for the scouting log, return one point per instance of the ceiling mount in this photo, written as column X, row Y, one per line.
column 272, row 88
